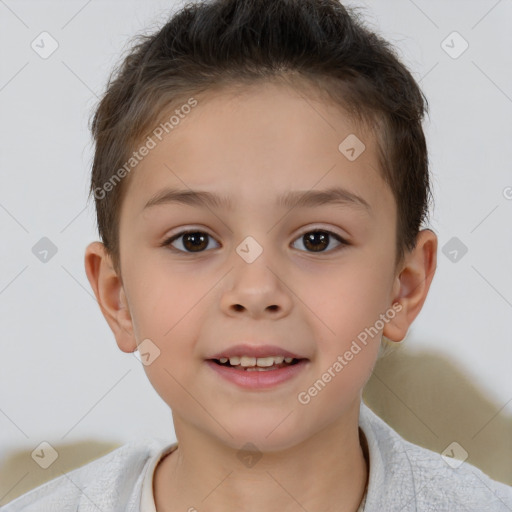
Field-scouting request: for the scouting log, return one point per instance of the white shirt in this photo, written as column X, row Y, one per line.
column 403, row 477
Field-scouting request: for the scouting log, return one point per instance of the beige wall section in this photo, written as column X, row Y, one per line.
column 20, row 473
column 424, row 397
column 429, row 401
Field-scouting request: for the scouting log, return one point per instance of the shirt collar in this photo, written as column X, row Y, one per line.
column 391, row 475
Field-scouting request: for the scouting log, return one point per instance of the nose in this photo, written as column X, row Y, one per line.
column 257, row 290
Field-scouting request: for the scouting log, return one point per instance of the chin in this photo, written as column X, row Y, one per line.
column 268, row 433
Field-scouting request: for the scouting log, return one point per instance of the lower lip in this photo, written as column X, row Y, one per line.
column 258, row 379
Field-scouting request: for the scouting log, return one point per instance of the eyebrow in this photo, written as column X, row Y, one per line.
column 292, row 199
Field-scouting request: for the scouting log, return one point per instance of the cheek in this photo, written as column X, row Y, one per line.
column 347, row 309
column 170, row 381
column 165, row 310
column 162, row 302
column 351, row 298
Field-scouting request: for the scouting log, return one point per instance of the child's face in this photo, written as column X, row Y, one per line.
column 253, row 149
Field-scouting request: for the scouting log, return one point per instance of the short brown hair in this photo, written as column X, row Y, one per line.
column 211, row 44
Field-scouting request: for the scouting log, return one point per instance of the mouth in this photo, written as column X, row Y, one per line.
column 260, row 364
column 262, row 374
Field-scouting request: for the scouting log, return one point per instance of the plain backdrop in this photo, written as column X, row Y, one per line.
column 62, row 377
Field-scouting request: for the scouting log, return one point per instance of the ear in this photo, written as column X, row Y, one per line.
column 110, row 294
column 411, row 286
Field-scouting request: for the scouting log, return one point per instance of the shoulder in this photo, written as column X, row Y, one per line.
column 405, row 476
column 442, row 481
column 109, row 483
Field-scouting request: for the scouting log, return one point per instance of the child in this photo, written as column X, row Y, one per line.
column 260, row 180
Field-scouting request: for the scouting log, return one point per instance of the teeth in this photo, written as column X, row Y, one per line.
column 247, row 361
column 263, row 361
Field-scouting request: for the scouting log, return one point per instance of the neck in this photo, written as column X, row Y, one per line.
column 327, row 471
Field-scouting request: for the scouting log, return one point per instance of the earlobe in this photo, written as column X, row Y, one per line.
column 110, row 294
column 412, row 284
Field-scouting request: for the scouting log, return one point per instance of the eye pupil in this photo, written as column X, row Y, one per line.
column 197, row 240
column 316, row 236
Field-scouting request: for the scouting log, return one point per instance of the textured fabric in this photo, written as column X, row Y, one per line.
column 403, row 477
column 406, row 477
column 110, row 483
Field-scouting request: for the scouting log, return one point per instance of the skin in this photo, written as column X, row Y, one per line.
column 253, row 147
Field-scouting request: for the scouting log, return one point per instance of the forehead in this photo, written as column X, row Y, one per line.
column 257, row 143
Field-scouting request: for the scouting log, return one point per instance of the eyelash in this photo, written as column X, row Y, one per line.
column 168, row 241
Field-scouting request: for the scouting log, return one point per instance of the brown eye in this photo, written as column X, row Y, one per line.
column 318, row 240
column 192, row 241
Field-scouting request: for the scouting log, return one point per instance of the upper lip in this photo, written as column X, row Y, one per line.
column 255, row 351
